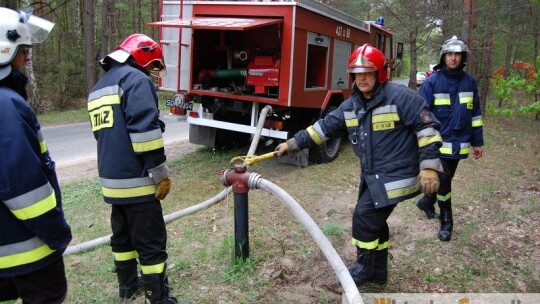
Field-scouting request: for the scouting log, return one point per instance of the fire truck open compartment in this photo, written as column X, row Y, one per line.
column 241, row 62
column 229, row 59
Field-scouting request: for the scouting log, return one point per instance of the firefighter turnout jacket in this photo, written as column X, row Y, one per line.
column 394, row 135
column 125, row 121
column 33, row 230
column 453, row 98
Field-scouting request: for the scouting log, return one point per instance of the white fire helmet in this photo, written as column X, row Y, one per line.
column 20, row 28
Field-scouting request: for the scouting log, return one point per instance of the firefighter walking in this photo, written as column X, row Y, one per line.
column 452, row 95
column 33, row 231
column 395, row 136
column 132, row 165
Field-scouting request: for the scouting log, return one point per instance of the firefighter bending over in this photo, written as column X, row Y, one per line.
column 33, row 231
column 395, row 136
column 123, row 109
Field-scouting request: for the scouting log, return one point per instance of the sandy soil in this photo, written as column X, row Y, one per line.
column 85, row 169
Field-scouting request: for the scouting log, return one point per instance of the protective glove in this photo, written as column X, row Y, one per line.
column 281, row 149
column 163, row 188
column 289, row 146
column 428, row 181
column 160, row 177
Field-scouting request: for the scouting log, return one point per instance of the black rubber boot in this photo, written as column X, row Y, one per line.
column 157, row 289
column 380, row 271
column 427, row 204
column 129, row 283
column 362, row 270
column 447, row 224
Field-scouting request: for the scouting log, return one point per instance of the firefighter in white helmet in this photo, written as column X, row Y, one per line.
column 33, row 231
column 452, row 95
column 395, row 136
column 123, row 109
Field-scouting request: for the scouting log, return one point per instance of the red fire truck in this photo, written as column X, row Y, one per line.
column 227, row 60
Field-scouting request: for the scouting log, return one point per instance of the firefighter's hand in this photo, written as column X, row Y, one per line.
column 428, row 181
column 281, row 149
column 163, row 188
column 478, row 152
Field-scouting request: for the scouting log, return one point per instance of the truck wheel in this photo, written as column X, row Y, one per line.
column 328, row 151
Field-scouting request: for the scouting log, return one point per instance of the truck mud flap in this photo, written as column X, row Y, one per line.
column 202, row 135
column 300, row 158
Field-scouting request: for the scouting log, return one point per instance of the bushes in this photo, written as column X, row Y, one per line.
column 516, row 95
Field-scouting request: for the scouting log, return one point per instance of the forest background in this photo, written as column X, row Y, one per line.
column 499, row 33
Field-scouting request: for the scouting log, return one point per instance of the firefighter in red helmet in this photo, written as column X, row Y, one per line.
column 134, row 176
column 395, row 136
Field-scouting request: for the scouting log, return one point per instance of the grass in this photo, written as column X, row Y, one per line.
column 494, row 247
column 66, row 116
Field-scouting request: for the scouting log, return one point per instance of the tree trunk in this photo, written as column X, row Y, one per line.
column 468, row 35
column 89, row 43
column 413, row 54
column 509, row 47
column 487, row 62
column 106, row 26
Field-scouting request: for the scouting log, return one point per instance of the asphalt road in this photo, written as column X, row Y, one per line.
column 74, row 143
column 404, row 81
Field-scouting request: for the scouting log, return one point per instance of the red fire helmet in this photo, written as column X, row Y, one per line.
column 368, row 59
column 145, row 51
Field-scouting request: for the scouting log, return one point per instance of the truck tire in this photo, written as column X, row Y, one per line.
column 328, row 151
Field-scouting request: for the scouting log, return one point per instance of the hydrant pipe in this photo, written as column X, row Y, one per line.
column 257, row 135
column 168, row 218
column 349, row 287
column 241, row 226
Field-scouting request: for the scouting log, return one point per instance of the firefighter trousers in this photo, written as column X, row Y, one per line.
column 369, row 227
column 139, row 231
column 46, row 285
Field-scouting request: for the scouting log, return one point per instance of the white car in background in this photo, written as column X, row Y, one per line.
column 420, row 77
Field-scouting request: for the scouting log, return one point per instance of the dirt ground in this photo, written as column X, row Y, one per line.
column 89, row 168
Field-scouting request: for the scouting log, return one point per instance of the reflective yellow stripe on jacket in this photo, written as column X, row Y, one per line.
column 42, row 145
column 466, row 98
column 126, row 188
column 428, row 136
column 148, row 141
column 384, row 118
column 441, row 99
column 464, row 149
column 351, row 120
column 477, row 121
column 316, row 133
column 22, row 253
column 34, row 203
column 401, row 187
